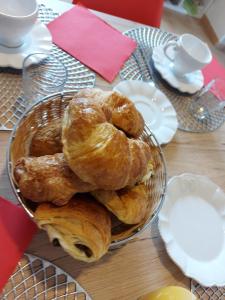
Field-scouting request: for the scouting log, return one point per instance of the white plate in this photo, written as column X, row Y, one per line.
column 192, row 224
column 39, row 40
column 189, row 83
column 156, row 109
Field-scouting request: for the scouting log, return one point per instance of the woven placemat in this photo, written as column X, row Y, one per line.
column 36, row 278
column 140, row 67
column 207, row 293
column 12, row 104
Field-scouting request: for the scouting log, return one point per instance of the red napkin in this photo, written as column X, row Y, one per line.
column 92, row 41
column 212, row 71
column 16, row 232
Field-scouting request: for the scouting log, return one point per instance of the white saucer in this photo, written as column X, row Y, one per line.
column 156, row 109
column 192, row 224
column 189, row 83
column 39, row 40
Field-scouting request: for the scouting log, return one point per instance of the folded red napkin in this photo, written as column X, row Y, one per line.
column 16, row 232
column 212, row 71
column 92, row 41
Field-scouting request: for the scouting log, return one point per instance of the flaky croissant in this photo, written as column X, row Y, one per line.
column 48, row 179
column 82, row 227
column 119, row 109
column 97, row 151
column 47, row 139
column 128, row 205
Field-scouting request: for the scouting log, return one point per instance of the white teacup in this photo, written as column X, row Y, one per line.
column 189, row 54
column 17, row 18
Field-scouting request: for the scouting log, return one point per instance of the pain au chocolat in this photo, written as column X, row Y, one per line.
column 82, row 227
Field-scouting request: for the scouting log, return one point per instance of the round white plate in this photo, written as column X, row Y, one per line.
column 39, row 40
column 156, row 109
column 192, row 224
column 189, row 83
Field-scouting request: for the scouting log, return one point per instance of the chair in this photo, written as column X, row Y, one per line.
column 148, row 12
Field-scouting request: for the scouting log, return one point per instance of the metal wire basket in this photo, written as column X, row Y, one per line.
column 52, row 107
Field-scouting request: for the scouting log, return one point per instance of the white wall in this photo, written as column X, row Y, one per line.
column 216, row 16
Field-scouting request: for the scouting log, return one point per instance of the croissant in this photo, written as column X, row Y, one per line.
column 48, row 179
column 47, row 139
column 120, row 110
column 128, row 205
column 97, row 151
column 121, row 231
column 82, row 227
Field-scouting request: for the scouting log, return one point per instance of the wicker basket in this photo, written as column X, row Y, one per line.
column 52, row 107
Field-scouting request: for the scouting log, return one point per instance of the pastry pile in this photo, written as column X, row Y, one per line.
column 85, row 168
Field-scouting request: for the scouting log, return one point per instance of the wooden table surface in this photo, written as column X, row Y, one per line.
column 142, row 265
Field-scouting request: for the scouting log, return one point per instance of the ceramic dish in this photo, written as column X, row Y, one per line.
column 158, row 112
column 38, row 40
column 189, row 83
column 192, row 224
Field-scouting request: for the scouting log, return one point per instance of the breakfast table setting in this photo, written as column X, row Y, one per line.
column 112, row 161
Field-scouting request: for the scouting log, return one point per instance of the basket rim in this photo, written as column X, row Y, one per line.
column 62, row 94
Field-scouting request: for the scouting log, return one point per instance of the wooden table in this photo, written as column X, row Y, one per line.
column 142, row 265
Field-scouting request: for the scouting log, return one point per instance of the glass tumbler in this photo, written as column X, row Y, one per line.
column 211, row 99
column 42, row 76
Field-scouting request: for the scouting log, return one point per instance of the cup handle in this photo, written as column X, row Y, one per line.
column 168, row 45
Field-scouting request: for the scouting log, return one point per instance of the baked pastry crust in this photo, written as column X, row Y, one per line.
column 101, row 155
column 47, row 139
column 97, row 151
column 48, row 179
column 82, row 227
column 128, row 205
column 119, row 109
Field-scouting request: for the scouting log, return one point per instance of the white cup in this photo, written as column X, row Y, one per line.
column 17, row 18
column 189, row 54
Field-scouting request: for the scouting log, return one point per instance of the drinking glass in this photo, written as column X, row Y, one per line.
column 211, row 99
column 42, row 76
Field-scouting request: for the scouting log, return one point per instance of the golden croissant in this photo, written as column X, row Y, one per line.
column 119, row 109
column 47, row 139
column 97, row 151
column 128, row 205
column 48, row 179
column 82, row 227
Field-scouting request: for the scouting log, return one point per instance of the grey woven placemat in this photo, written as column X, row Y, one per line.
column 207, row 293
column 36, row 278
column 12, row 104
column 140, row 67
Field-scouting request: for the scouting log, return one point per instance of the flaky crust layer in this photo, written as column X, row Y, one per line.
column 97, row 151
column 82, row 227
column 47, row 139
column 119, row 109
column 48, row 179
column 128, row 205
